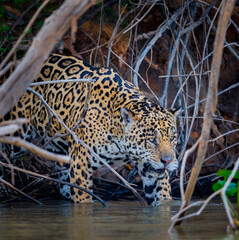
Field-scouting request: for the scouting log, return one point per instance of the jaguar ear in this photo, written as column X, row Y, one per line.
column 175, row 111
column 127, row 119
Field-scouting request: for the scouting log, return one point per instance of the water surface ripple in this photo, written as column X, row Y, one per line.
column 58, row 220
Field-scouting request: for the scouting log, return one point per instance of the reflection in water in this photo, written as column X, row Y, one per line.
column 121, row 220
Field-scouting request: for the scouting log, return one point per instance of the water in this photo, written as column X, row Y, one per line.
column 121, row 220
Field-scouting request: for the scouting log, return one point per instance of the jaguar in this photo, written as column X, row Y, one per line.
column 110, row 115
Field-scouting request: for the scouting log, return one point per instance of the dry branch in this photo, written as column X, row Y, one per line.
column 54, row 180
column 204, row 203
column 18, row 121
column 9, row 127
column 62, row 81
column 158, row 34
column 34, row 149
column 8, row 67
column 211, row 101
column 180, row 33
column 12, row 170
column 51, row 32
column 147, row 85
column 23, row 34
column 19, row 191
column 212, row 95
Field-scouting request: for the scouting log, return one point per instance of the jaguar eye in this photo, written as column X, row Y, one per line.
column 153, row 141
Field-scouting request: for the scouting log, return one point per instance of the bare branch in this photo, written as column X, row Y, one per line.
column 24, row 33
column 211, row 100
column 204, row 203
column 34, row 149
column 12, row 170
column 55, row 180
column 62, row 81
column 52, row 30
column 9, row 127
column 164, row 26
column 17, row 190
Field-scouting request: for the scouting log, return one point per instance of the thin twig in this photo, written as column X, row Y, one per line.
column 225, row 149
column 19, row 191
column 229, row 47
column 223, row 91
column 113, row 36
column 55, row 180
column 58, row 23
column 211, row 102
column 137, row 75
column 34, row 149
column 62, row 81
column 52, row 111
column 9, row 66
column 139, row 20
column 23, row 34
column 222, row 135
column 223, row 194
column 12, row 170
column 204, row 203
column 18, row 20
column 164, row 26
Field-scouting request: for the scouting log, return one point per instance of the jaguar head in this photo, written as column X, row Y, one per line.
column 152, row 139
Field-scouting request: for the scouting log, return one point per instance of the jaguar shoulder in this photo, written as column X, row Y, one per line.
column 120, row 125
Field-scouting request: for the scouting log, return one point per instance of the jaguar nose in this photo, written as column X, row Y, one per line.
column 166, row 161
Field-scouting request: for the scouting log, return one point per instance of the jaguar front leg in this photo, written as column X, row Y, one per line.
column 80, row 174
column 157, row 188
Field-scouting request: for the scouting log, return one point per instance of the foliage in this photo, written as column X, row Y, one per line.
column 18, row 3
column 2, row 10
column 232, row 190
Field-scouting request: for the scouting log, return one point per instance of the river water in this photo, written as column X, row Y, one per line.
column 121, row 220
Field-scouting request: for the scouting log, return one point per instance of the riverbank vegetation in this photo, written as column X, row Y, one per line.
column 179, row 53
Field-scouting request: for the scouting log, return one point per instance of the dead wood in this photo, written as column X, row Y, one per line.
column 34, row 149
column 19, row 191
column 52, row 30
column 54, row 180
column 210, row 104
column 212, row 95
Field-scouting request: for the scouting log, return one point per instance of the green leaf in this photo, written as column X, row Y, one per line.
column 40, row 23
column 2, row 10
column 238, row 194
column 231, row 190
column 4, row 28
column 11, row 38
column 226, row 174
column 18, row 3
column 218, row 185
column 99, row 4
column 110, row 10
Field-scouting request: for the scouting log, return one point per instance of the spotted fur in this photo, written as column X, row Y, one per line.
column 121, row 125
